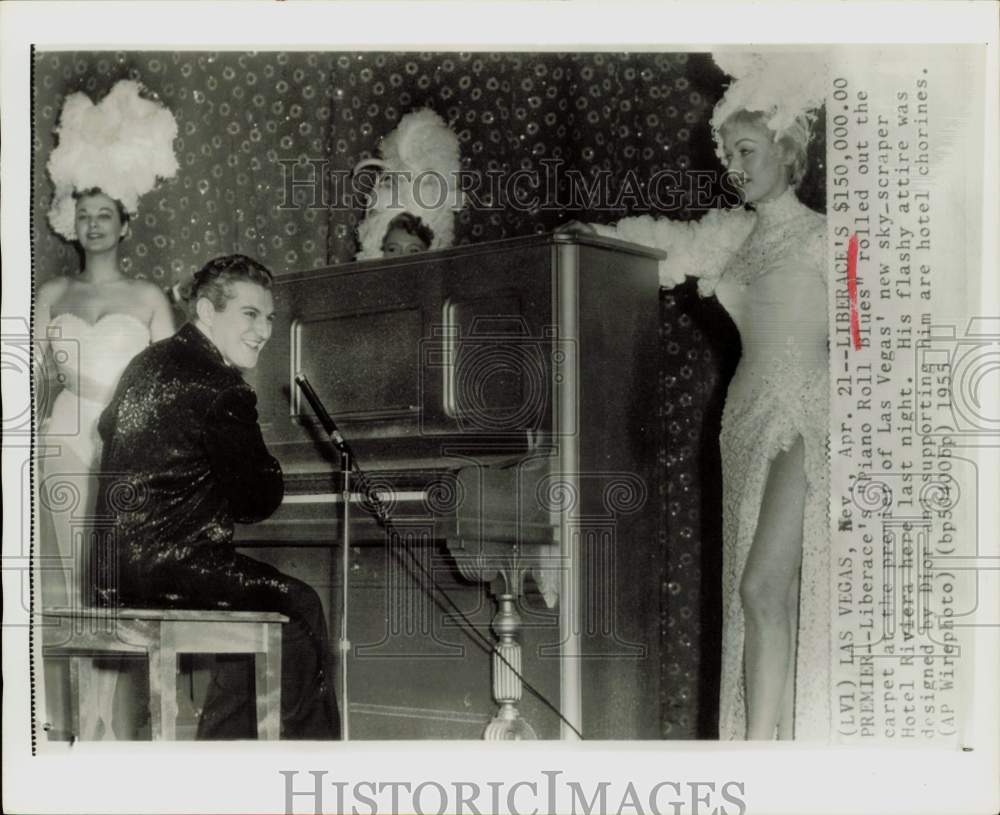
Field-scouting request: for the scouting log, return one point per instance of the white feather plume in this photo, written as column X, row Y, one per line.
column 123, row 145
column 784, row 85
column 420, row 165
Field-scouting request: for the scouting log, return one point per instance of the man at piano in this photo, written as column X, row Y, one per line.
column 182, row 442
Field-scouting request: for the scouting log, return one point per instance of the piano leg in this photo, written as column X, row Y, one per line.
column 507, row 724
column 485, row 561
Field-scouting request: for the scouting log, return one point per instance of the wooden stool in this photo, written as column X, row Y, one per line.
column 162, row 634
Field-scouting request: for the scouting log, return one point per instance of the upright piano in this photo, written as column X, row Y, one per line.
column 501, row 399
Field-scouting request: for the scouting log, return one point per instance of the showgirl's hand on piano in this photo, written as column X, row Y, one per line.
column 576, row 228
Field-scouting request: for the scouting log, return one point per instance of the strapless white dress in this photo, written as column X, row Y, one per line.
column 89, row 360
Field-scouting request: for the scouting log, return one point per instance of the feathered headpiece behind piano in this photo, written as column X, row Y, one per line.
column 418, row 174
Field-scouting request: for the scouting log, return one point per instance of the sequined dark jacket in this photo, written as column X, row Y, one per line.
column 183, row 461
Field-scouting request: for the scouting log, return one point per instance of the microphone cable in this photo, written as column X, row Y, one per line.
column 438, row 595
column 436, row 592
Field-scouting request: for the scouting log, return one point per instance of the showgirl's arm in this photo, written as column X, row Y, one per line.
column 642, row 229
column 698, row 249
column 48, row 295
column 161, row 325
column 42, row 369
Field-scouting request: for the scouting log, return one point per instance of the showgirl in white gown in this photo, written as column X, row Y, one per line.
column 768, row 267
column 87, row 329
column 779, row 394
column 89, row 359
column 773, row 285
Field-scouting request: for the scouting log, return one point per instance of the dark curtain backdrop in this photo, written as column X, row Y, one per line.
column 250, row 122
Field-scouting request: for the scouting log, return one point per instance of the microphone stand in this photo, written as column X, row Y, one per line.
column 345, row 644
column 346, row 465
column 373, row 504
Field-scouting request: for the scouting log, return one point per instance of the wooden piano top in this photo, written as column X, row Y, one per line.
column 477, row 250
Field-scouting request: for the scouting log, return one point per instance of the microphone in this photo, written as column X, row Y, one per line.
column 325, row 419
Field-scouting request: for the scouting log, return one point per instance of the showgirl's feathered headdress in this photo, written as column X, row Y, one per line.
column 121, row 145
column 788, row 87
column 419, row 175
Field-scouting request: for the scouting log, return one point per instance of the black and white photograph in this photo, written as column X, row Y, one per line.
column 419, row 392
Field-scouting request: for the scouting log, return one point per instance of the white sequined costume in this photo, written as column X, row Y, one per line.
column 89, row 358
column 769, row 270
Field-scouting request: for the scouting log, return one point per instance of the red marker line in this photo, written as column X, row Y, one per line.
column 852, row 290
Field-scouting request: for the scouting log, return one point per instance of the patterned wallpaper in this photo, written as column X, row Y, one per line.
column 251, row 122
column 238, row 116
column 247, row 120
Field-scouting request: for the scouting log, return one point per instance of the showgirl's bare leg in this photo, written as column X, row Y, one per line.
column 771, row 570
column 786, row 724
column 106, row 676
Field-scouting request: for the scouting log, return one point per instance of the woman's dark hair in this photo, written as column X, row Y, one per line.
column 122, row 212
column 214, row 280
column 411, row 225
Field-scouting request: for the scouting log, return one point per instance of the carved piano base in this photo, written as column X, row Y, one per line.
column 508, row 725
column 486, row 561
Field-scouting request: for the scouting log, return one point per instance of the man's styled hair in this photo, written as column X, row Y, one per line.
column 214, row 280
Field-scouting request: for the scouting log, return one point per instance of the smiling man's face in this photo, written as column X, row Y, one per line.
column 243, row 327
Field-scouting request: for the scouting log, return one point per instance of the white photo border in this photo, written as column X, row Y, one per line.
column 189, row 777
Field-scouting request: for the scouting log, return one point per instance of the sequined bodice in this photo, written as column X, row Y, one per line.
column 90, row 357
column 776, row 285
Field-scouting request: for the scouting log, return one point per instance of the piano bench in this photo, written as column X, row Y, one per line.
column 161, row 634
